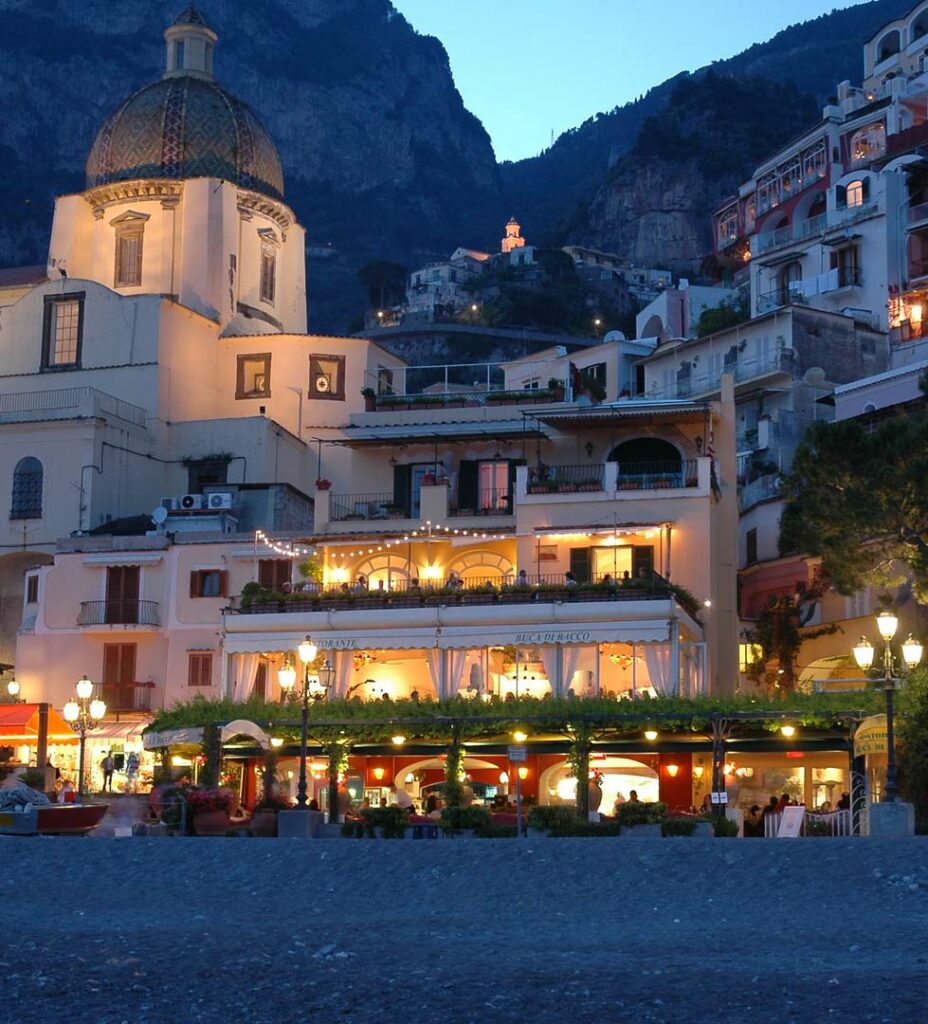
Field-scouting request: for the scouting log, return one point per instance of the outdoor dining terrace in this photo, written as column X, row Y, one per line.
column 547, row 588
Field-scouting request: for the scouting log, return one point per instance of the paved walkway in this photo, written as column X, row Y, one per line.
column 664, row 931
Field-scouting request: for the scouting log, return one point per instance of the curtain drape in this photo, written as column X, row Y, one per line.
column 549, row 658
column 435, row 657
column 344, row 664
column 457, row 659
column 569, row 667
column 657, row 660
column 245, row 672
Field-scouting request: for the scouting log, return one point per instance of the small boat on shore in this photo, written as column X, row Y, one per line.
column 52, row 820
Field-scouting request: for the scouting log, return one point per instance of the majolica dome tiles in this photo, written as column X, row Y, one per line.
column 185, row 127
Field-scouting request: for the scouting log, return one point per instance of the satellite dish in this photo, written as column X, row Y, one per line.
column 159, row 515
column 815, row 376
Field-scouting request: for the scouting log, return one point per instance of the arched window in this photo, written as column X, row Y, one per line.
column 868, row 143
column 888, row 45
column 646, row 456
column 27, row 489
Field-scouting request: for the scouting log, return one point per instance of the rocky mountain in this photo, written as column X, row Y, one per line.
column 380, row 156
column 602, row 184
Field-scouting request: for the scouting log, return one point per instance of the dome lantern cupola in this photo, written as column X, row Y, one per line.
column 190, row 43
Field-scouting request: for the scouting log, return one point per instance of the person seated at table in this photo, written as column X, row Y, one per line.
column 633, row 797
column 773, row 806
column 522, row 578
column 784, row 802
column 844, row 804
column 454, row 581
column 570, row 579
column 825, row 808
column 360, row 584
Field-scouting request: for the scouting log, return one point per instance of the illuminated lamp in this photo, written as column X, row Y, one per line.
column 523, row 772
column 379, row 773
column 398, row 740
column 650, row 735
column 788, row 731
column 672, row 770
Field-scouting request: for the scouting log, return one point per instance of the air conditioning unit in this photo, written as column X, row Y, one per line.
column 169, row 503
column 190, row 501
column 219, row 500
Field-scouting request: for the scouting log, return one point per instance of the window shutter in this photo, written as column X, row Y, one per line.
column 642, row 560
column 111, row 660
column 193, row 670
column 266, row 572
column 224, row 583
column 513, row 463
column 402, row 488
column 865, row 191
column 581, row 564
column 194, row 584
column 840, row 197
column 467, row 484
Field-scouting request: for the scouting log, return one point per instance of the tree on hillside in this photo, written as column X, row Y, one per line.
column 858, row 498
column 385, row 282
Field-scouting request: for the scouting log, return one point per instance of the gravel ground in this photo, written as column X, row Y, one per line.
column 180, row 931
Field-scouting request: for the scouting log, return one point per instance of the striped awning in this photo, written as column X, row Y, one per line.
column 19, row 723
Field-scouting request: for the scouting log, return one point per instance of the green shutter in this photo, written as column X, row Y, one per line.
column 642, row 560
column 402, row 489
column 581, row 564
column 467, row 484
column 866, row 190
column 840, row 197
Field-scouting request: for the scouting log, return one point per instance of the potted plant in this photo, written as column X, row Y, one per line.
column 641, row 819
column 385, row 822
column 370, row 399
column 462, row 822
column 556, row 387
column 211, row 810
column 550, row 820
column 698, row 828
column 322, row 484
column 264, row 816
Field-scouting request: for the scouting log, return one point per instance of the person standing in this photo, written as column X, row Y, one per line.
column 108, row 764
column 132, row 770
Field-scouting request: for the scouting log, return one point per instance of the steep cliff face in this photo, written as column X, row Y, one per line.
column 577, row 171
column 656, row 202
column 380, row 156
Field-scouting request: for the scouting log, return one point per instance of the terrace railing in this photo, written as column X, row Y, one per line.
column 119, row 612
column 656, row 475
column 558, row 479
column 368, row 505
column 491, row 501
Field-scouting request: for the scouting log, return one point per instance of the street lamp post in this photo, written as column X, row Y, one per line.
column 312, row 689
column 83, row 714
column 864, row 652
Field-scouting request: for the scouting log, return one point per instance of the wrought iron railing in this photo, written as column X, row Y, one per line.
column 565, row 479
column 127, row 696
column 371, row 505
column 490, row 501
column 656, row 475
column 119, row 612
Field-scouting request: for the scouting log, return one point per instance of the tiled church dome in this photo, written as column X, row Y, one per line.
column 186, row 126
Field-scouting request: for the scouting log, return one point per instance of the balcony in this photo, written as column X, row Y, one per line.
column 566, row 479
column 67, row 404
column 798, row 293
column 538, row 589
column 119, row 613
column 812, row 227
column 122, row 697
column 369, row 505
column 707, row 382
column 491, row 501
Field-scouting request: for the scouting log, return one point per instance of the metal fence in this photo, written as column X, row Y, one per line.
column 370, row 505
column 119, row 612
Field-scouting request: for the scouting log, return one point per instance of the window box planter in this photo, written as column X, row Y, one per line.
column 264, row 824
column 211, row 823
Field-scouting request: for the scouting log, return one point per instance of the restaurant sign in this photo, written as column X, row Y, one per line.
column 583, row 637
column 870, row 737
column 336, row 643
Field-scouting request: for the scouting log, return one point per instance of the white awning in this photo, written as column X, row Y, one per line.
column 117, row 731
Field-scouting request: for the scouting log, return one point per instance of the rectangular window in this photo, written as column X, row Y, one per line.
column 384, row 381
column 493, row 487
column 209, row 583
column 128, row 259
column 62, row 331
column 32, row 589
column 122, row 594
column 327, row 377
column 200, row 668
column 178, row 55
column 614, row 561
column 253, row 376
column 273, row 573
column 268, row 275
column 751, row 547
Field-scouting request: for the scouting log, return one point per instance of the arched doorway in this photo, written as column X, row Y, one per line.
column 646, row 456
column 489, row 566
column 390, row 570
column 619, row 775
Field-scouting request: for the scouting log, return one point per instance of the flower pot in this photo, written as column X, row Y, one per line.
column 641, row 831
column 264, row 824
column 370, row 403
column 595, row 796
column 211, row 823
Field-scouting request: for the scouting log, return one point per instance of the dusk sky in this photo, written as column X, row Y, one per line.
column 525, row 67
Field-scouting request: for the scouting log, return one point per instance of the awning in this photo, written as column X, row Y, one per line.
column 193, row 736
column 19, row 723
column 449, row 432
column 118, row 731
column 637, row 409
